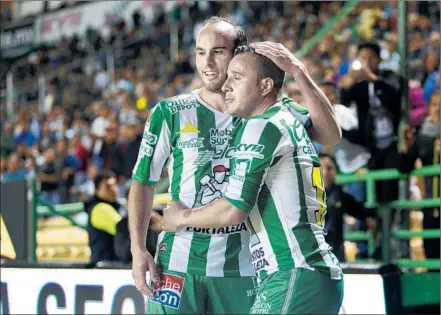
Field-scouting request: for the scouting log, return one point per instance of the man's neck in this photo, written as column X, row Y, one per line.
column 266, row 104
column 214, row 99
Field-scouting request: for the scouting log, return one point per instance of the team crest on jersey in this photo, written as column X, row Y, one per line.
column 168, row 290
column 163, row 248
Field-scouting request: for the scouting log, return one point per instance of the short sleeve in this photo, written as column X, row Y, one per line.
column 258, row 144
column 154, row 149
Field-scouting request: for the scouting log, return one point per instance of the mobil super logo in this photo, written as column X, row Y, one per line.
column 168, row 290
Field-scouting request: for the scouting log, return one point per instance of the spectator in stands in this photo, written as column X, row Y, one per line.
column 104, row 214
column 377, row 96
column 340, row 203
column 107, row 155
column 87, row 189
column 349, row 157
column 47, row 139
column 15, row 169
column 127, row 115
column 49, row 178
column 99, row 125
column 25, row 135
column 134, row 135
column 67, row 165
column 425, row 146
column 431, row 84
column 7, row 140
column 82, row 156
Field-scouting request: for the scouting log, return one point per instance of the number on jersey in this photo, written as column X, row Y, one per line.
column 317, row 183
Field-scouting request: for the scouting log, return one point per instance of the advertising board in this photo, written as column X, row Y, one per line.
column 99, row 291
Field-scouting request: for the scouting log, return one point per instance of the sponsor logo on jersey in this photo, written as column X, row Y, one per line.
column 194, row 143
column 223, row 230
column 145, row 149
column 168, row 290
column 249, row 151
column 188, row 127
column 224, row 152
column 178, row 105
column 258, row 259
column 219, row 137
column 261, row 304
column 150, row 138
column 163, row 247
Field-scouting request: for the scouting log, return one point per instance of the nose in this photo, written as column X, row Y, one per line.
column 226, row 87
column 209, row 60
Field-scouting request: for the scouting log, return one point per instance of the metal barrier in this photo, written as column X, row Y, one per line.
column 66, row 210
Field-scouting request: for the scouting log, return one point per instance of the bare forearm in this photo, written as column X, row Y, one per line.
column 326, row 129
column 139, row 210
column 214, row 215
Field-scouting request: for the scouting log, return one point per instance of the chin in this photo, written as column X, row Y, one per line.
column 213, row 87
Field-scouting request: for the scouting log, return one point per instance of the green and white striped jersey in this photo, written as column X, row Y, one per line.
column 276, row 177
column 197, row 142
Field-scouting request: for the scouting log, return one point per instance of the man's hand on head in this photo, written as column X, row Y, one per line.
column 281, row 56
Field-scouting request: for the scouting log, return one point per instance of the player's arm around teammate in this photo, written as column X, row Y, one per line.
column 326, row 129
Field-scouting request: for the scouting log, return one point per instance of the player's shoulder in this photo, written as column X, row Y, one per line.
column 294, row 106
column 177, row 103
column 266, row 123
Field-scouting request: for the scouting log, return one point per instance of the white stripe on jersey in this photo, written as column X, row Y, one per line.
column 188, row 185
column 245, row 267
column 259, row 228
column 159, row 159
column 218, row 245
column 179, row 255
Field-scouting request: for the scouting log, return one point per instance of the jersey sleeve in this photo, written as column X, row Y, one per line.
column 300, row 112
column 258, row 145
column 154, row 149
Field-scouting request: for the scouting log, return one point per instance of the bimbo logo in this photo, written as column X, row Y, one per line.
column 168, row 290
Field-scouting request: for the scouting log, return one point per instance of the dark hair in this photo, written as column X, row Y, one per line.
column 372, row 46
column 267, row 68
column 103, row 175
column 326, row 155
column 241, row 35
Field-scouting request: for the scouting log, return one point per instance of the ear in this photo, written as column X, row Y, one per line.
column 266, row 86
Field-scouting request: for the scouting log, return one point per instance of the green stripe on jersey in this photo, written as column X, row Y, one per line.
column 234, row 246
column 178, row 167
column 201, row 243
column 273, row 225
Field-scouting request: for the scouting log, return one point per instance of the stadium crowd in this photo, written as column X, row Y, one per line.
column 92, row 118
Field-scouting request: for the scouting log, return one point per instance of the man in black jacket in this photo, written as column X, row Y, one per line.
column 104, row 215
column 377, row 96
column 339, row 203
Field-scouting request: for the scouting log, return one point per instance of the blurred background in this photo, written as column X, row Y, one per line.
column 79, row 78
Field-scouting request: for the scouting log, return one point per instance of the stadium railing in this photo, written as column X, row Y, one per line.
column 66, row 211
